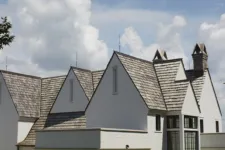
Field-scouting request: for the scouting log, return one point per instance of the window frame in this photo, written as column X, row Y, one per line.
column 173, row 136
column 189, row 138
column 71, row 82
column 175, row 124
column 0, row 92
column 217, row 126
column 201, row 126
column 190, row 122
column 115, row 80
column 158, row 122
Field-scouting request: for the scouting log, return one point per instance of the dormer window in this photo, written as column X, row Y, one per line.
column 115, row 82
column 71, row 90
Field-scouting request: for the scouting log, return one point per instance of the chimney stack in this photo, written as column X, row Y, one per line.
column 200, row 58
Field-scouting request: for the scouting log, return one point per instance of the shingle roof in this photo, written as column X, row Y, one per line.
column 85, row 79
column 96, row 76
column 50, row 89
column 25, row 91
column 88, row 79
column 67, row 120
column 173, row 91
column 197, row 81
column 144, row 77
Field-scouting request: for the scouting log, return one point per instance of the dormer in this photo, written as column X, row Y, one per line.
column 200, row 57
column 160, row 55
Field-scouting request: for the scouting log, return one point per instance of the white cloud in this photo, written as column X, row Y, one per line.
column 48, row 35
column 168, row 38
column 213, row 35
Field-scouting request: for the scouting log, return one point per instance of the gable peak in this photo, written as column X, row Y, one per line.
column 160, row 55
column 200, row 48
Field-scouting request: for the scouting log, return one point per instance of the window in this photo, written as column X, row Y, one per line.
column 71, row 90
column 201, row 126
column 191, row 140
column 172, row 122
column 217, row 126
column 190, row 122
column 158, row 122
column 0, row 92
column 173, row 140
column 115, row 80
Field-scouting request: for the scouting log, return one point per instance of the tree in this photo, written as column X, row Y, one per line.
column 5, row 37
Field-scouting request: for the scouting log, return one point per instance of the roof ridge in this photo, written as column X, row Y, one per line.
column 54, row 77
column 16, row 73
column 167, row 61
column 98, row 70
column 147, row 61
column 82, row 69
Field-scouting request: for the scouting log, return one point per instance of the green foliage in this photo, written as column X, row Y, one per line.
column 5, row 37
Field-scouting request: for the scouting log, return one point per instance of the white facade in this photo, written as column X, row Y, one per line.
column 124, row 110
column 9, row 119
column 209, row 108
column 63, row 102
column 213, row 141
column 180, row 73
column 190, row 105
column 23, row 129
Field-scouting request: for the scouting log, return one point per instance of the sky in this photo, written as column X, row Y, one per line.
column 53, row 35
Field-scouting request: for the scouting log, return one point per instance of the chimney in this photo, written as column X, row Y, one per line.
column 200, row 58
column 160, row 55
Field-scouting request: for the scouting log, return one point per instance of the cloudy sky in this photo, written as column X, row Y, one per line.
column 51, row 34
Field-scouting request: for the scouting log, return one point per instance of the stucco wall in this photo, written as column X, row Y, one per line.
column 26, row 148
column 126, row 110
column 209, row 109
column 180, row 73
column 190, row 106
column 63, row 102
column 68, row 139
column 23, row 130
column 155, row 138
column 213, row 141
column 9, row 118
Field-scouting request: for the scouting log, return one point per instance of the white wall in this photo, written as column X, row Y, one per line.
column 23, row 130
column 63, row 102
column 8, row 119
column 152, row 139
column 126, row 110
column 213, row 141
column 156, row 139
column 209, row 108
column 26, row 148
column 68, row 139
column 180, row 73
column 190, row 105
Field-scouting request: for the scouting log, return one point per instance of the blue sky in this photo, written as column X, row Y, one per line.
column 51, row 30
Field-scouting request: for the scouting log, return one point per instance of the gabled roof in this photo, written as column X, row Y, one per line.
column 143, row 75
column 85, row 79
column 197, row 79
column 50, row 88
column 67, row 120
column 88, row 79
column 96, row 76
column 197, row 82
column 25, row 91
column 174, row 92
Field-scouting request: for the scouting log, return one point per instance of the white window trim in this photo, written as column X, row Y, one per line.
column 115, row 80
column 71, row 89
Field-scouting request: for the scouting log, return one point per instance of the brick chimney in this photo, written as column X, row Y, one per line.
column 200, row 58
